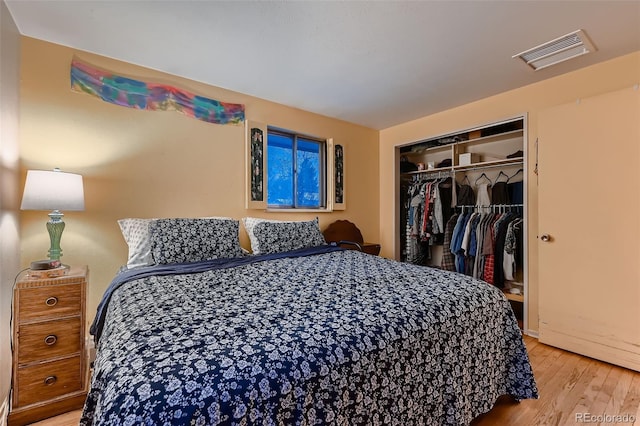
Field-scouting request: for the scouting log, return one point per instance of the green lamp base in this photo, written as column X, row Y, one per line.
column 55, row 226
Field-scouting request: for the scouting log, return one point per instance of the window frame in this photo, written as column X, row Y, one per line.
column 324, row 170
column 255, row 167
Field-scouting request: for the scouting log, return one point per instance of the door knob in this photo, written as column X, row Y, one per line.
column 545, row 238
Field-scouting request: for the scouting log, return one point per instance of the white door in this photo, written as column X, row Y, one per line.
column 589, row 227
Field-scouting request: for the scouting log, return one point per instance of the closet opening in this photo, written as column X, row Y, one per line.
column 462, row 205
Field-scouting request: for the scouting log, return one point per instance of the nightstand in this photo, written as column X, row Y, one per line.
column 371, row 248
column 49, row 360
column 350, row 236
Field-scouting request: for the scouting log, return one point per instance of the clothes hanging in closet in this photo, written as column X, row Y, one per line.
column 466, row 196
column 482, row 195
column 448, row 261
column 516, row 192
column 429, row 207
column 485, row 245
column 512, row 248
column 499, row 190
column 500, row 193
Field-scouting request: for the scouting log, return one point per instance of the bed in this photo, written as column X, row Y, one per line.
column 299, row 335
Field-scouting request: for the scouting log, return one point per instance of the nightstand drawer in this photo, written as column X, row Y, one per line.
column 46, row 381
column 44, row 302
column 45, row 340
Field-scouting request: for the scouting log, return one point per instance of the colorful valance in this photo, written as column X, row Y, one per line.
column 137, row 94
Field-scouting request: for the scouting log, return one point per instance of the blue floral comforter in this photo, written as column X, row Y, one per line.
column 339, row 337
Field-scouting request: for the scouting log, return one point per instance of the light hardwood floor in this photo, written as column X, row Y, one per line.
column 571, row 387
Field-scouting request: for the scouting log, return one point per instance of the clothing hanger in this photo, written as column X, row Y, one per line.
column 502, row 174
column 514, row 175
column 466, row 178
column 447, row 180
column 483, row 175
column 440, row 179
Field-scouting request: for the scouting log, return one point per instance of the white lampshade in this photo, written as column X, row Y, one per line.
column 52, row 190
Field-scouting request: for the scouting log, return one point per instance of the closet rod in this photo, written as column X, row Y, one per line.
column 427, row 171
column 491, row 205
column 433, row 175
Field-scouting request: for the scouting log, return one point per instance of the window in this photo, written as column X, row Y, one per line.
column 296, row 171
column 288, row 170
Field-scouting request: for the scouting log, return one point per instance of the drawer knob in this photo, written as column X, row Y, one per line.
column 51, row 340
column 50, row 380
column 51, row 301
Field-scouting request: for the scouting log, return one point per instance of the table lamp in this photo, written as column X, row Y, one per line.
column 53, row 190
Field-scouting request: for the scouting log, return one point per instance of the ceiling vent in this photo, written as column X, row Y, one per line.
column 559, row 50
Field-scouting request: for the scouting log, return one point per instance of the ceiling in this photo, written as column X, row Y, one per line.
column 377, row 64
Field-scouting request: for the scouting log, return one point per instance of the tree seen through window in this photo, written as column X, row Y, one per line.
column 295, row 171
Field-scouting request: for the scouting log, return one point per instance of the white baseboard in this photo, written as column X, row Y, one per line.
column 532, row 333
column 4, row 411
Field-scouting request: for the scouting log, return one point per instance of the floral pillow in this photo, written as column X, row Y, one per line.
column 249, row 224
column 276, row 237
column 192, row 240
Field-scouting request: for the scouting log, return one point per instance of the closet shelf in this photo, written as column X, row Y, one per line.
column 430, row 149
column 474, row 166
column 492, row 138
column 447, row 146
column 489, row 164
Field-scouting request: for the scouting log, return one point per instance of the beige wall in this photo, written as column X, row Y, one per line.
column 597, row 79
column 156, row 164
column 9, row 198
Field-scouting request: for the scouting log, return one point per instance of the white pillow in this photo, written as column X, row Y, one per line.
column 137, row 236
